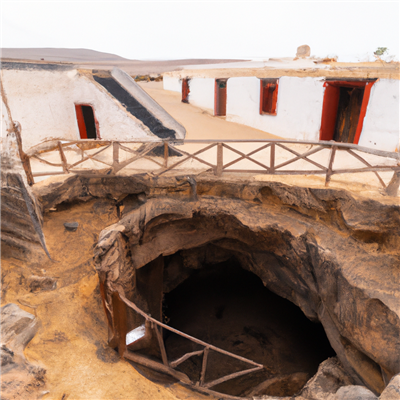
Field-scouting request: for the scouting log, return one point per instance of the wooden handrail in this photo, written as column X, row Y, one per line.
column 185, row 335
column 219, row 167
column 119, row 326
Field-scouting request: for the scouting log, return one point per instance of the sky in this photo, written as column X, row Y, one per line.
column 156, row 30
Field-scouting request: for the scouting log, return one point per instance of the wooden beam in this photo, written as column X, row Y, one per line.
column 166, row 151
column 301, row 156
column 330, row 166
column 368, row 165
column 192, row 338
column 272, row 158
column 231, row 376
column 243, row 156
column 63, row 158
column 204, row 366
column 186, row 356
column 188, row 157
column 220, row 159
column 147, row 362
column 115, row 154
column 120, row 326
column 248, row 156
column 161, row 344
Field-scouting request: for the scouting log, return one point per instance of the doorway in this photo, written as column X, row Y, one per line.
column 220, row 97
column 185, row 90
column 344, row 108
column 87, row 123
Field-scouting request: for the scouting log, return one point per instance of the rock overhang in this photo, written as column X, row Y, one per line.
column 292, row 243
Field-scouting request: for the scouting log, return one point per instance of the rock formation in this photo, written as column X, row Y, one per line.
column 331, row 254
column 19, row 379
column 21, row 214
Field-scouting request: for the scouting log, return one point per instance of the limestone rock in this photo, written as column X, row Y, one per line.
column 354, row 392
column 21, row 213
column 303, row 51
column 18, row 327
column 20, row 379
column 326, row 382
column 39, row 283
column 392, row 390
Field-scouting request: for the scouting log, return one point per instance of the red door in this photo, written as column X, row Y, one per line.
column 343, row 111
column 220, row 97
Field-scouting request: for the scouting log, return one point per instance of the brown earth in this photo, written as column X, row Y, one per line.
column 71, row 344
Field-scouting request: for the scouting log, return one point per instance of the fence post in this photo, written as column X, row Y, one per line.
column 272, row 159
column 220, row 159
column 120, row 326
column 330, row 166
column 63, row 158
column 166, row 151
column 161, row 344
column 204, row 366
column 115, row 155
column 393, row 186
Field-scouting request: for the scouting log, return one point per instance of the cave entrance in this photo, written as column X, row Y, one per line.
column 229, row 307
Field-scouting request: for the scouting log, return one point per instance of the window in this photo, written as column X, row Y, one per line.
column 87, row 123
column 344, row 108
column 268, row 96
column 185, row 90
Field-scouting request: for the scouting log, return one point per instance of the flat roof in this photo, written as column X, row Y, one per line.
column 277, row 67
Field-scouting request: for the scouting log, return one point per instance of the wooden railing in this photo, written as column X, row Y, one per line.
column 164, row 161
column 120, row 304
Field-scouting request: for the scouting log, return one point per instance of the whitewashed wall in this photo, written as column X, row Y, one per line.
column 172, row 83
column 43, row 102
column 202, row 93
column 299, row 106
column 381, row 123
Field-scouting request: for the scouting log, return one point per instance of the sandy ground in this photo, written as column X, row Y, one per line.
column 72, row 341
column 199, row 123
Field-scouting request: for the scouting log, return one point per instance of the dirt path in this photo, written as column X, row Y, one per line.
column 200, row 124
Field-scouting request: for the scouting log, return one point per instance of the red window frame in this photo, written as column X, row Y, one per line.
column 268, row 96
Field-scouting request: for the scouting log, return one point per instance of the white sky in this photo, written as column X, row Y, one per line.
column 204, row 29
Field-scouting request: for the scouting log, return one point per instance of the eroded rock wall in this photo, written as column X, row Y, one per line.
column 333, row 255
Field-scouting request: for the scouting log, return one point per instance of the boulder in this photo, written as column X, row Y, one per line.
column 392, row 390
column 20, row 379
column 326, row 382
column 354, row 392
column 303, row 51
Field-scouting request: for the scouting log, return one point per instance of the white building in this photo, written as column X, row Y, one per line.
column 301, row 99
column 59, row 102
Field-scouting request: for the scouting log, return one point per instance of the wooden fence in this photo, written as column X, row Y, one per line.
column 120, row 304
column 168, row 156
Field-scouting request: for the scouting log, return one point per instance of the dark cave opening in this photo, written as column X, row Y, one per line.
column 229, row 307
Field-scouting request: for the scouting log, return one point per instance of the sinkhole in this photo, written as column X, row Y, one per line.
column 229, row 307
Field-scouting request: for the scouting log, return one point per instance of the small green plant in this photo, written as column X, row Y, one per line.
column 380, row 51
